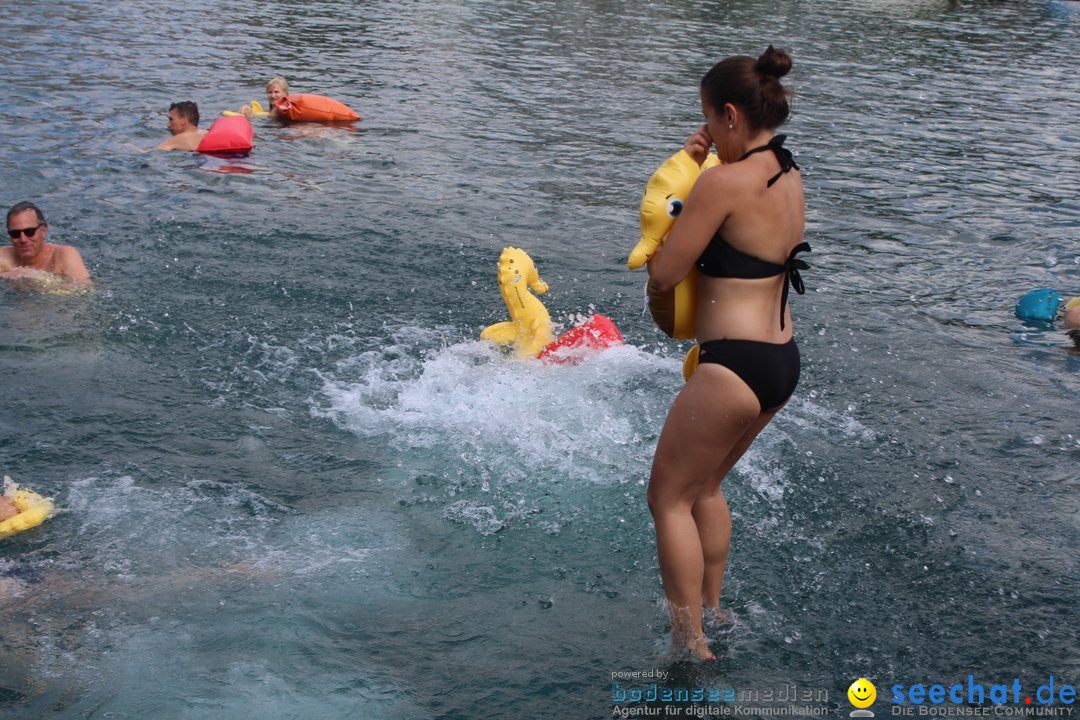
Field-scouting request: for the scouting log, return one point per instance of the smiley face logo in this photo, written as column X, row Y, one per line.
column 862, row 693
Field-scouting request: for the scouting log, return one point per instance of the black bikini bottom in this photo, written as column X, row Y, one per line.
column 771, row 370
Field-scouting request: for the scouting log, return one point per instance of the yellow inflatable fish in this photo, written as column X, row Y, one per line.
column 663, row 200
column 665, row 193
column 529, row 327
column 33, row 509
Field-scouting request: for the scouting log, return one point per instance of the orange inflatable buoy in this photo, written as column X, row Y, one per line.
column 596, row 333
column 315, row 108
column 228, row 136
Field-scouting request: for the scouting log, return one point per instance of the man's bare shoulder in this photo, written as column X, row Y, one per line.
column 67, row 251
column 69, row 262
column 168, row 143
column 7, row 258
column 184, row 141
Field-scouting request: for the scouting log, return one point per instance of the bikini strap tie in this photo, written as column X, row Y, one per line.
column 783, row 156
column 792, row 278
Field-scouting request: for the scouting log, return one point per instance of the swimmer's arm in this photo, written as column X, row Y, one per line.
column 72, row 266
column 702, row 215
column 169, row 143
column 16, row 273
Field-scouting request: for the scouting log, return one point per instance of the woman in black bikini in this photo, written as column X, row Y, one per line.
column 741, row 228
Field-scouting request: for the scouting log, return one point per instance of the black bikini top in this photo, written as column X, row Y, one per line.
column 720, row 259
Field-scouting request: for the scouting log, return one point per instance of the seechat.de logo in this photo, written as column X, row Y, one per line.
column 862, row 694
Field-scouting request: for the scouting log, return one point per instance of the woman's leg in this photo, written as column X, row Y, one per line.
column 708, row 418
column 713, row 518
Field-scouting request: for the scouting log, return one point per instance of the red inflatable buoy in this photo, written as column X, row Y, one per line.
column 596, row 333
column 316, row 108
column 231, row 135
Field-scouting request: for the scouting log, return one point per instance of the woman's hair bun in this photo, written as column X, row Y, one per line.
column 773, row 63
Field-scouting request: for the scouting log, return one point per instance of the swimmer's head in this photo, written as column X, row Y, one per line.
column 181, row 115
column 276, row 90
column 22, row 207
column 1072, row 316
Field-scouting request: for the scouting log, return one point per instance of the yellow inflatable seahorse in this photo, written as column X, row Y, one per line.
column 529, row 327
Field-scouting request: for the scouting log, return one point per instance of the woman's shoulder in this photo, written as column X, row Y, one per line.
column 725, row 178
column 743, row 178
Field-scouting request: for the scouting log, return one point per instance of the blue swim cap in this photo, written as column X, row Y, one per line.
column 1038, row 305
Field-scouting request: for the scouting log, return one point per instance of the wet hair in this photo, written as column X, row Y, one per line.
column 279, row 81
column 751, row 85
column 186, row 109
column 23, row 206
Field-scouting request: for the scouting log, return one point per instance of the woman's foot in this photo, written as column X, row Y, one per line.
column 687, row 635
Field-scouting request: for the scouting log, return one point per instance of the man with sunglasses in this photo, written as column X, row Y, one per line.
column 29, row 255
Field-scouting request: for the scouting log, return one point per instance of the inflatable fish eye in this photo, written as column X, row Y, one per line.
column 663, row 201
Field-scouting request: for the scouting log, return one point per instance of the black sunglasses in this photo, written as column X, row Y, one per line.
column 28, row 232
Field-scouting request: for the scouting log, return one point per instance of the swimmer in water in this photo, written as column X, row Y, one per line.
column 184, row 126
column 30, row 257
column 1072, row 324
column 740, row 229
column 276, row 91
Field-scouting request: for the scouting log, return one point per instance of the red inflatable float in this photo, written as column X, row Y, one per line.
column 228, row 136
column 596, row 333
column 315, row 108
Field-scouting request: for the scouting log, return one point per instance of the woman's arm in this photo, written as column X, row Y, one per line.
column 703, row 213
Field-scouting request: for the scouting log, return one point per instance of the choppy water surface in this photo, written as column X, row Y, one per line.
column 294, row 484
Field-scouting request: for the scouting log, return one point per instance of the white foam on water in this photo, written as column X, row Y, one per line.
column 482, row 406
column 503, row 439
column 806, row 414
column 138, row 580
column 499, row 433
column 132, row 526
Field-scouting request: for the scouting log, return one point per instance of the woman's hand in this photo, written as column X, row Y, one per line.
column 698, row 144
